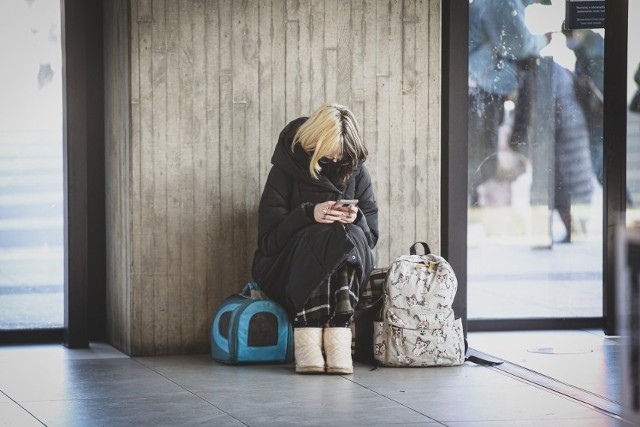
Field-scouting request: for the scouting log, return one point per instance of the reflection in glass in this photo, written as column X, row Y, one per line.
column 535, row 163
column 31, row 195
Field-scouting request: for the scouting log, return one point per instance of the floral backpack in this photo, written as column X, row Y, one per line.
column 418, row 326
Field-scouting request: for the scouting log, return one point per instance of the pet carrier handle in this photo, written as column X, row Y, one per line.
column 414, row 247
column 252, row 290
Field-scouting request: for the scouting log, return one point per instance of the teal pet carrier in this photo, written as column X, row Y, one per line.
column 250, row 328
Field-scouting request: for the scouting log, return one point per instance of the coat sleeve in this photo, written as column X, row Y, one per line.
column 368, row 206
column 277, row 221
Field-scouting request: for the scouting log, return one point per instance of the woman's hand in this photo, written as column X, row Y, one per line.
column 324, row 213
column 347, row 214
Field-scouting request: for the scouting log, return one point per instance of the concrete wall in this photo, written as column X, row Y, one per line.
column 196, row 94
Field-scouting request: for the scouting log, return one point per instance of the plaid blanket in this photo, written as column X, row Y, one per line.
column 333, row 302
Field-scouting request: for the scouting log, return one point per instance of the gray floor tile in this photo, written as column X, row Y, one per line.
column 287, row 396
column 47, row 354
column 489, row 403
column 387, row 378
column 275, row 395
column 84, row 379
column 101, row 386
column 12, row 415
column 539, row 423
column 583, row 359
column 180, row 410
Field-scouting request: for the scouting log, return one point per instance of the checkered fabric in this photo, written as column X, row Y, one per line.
column 333, row 302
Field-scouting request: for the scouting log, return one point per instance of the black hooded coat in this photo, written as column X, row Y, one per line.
column 296, row 254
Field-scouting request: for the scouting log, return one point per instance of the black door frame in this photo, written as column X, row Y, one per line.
column 84, row 182
column 455, row 46
column 85, row 247
column 454, row 119
column 615, row 148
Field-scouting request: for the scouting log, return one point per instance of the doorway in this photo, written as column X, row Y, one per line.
column 535, row 169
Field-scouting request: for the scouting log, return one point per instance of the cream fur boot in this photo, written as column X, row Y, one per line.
column 337, row 347
column 308, row 350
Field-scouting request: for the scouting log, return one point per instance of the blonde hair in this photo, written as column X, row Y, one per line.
column 331, row 130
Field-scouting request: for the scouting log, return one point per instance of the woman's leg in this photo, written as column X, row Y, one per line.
column 308, row 350
column 337, row 340
column 330, row 305
column 308, row 334
column 337, row 347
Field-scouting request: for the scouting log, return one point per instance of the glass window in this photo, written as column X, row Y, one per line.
column 31, row 188
column 535, row 204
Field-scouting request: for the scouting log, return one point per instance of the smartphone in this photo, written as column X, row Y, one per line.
column 344, row 204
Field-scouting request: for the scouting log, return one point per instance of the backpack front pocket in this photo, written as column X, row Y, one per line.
column 413, row 337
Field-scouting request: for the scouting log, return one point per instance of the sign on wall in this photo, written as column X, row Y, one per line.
column 583, row 14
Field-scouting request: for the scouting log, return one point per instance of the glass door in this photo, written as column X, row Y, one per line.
column 535, row 201
column 31, row 167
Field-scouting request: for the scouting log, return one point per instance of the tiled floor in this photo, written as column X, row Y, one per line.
column 582, row 365
column 551, row 379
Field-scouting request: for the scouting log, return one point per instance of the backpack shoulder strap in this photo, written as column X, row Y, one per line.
column 474, row 356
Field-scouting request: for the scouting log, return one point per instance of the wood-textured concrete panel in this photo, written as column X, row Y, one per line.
column 209, row 84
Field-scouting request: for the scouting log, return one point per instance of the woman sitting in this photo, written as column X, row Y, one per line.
column 313, row 256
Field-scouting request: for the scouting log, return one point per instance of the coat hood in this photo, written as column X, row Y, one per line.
column 296, row 162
